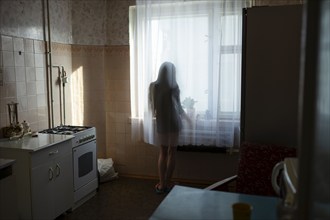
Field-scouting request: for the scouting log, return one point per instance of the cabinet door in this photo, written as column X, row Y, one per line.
column 63, row 184
column 42, row 180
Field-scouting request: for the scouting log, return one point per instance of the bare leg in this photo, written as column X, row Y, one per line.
column 162, row 166
column 171, row 159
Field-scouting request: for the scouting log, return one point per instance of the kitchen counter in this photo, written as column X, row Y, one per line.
column 42, row 169
column 29, row 143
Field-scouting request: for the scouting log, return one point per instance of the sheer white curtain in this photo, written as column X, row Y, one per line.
column 203, row 40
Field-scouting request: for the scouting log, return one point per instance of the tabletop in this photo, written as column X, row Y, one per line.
column 192, row 203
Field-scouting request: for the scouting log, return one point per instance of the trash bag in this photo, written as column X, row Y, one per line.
column 106, row 170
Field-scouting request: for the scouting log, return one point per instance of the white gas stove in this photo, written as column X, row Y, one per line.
column 84, row 154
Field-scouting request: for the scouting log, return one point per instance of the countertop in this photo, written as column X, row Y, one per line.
column 29, row 143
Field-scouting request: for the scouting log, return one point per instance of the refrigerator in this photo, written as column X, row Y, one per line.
column 270, row 74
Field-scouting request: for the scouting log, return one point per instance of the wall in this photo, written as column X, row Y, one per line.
column 23, row 72
column 22, row 59
column 90, row 39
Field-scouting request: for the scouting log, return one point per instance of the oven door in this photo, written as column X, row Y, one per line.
column 84, row 164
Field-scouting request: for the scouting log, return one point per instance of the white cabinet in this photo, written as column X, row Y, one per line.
column 44, row 180
column 8, row 203
column 52, row 186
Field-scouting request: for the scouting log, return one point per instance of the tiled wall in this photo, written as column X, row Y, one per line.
column 23, row 77
column 62, row 56
column 22, row 62
column 88, row 93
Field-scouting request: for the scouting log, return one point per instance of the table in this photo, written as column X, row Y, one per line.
column 192, row 203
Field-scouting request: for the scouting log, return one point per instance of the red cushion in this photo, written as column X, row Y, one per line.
column 256, row 165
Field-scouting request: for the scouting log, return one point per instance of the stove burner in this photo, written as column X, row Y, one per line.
column 65, row 129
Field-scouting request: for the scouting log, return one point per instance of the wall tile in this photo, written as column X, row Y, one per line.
column 23, row 116
column 123, row 107
column 29, row 59
column 20, row 74
column 18, row 44
column 7, row 43
column 19, row 58
column 41, row 125
column 9, row 74
column 21, row 88
column 31, row 102
column 40, row 74
column 9, row 90
column 120, row 128
column 39, row 60
column 7, row 58
column 41, row 100
column 30, row 74
column 22, row 103
column 39, row 46
column 31, row 88
column 42, row 113
column 40, row 87
column 32, row 116
column 28, row 46
column 122, row 85
column 123, row 96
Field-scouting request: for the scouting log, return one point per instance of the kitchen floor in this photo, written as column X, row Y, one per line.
column 123, row 198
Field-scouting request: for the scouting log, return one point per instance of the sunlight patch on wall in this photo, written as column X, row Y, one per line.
column 77, row 91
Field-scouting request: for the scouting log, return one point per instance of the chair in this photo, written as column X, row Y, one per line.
column 255, row 169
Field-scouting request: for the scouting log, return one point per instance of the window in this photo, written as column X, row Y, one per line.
column 203, row 40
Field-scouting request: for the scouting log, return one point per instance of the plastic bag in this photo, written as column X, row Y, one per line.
column 106, row 170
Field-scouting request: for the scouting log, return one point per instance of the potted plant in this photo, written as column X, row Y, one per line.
column 188, row 103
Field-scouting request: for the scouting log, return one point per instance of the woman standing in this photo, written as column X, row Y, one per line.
column 164, row 97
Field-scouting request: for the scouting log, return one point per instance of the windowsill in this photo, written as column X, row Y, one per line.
column 201, row 137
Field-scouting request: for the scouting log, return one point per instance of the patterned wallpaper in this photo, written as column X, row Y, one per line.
column 117, row 25
column 21, row 18
column 60, row 21
column 89, row 22
column 83, row 22
column 100, row 22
